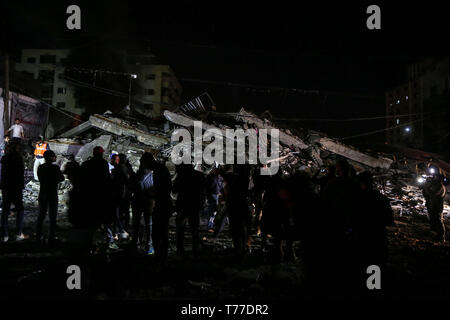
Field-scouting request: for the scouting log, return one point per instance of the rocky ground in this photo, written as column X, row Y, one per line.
column 418, row 266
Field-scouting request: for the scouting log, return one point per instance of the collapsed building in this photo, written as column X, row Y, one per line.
column 300, row 149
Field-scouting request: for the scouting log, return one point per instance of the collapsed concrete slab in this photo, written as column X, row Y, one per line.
column 64, row 146
column 121, row 128
column 353, row 154
column 285, row 138
column 77, row 130
column 85, row 152
column 118, row 127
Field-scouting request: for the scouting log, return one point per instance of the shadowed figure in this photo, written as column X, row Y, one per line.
column 49, row 176
column 189, row 186
column 143, row 201
column 375, row 213
column 12, row 185
column 96, row 187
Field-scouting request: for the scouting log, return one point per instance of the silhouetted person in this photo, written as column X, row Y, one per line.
column 340, row 201
column 330, row 174
column 12, row 185
column 49, row 176
column 143, row 201
column 213, row 189
column 271, row 206
column 375, row 213
column 260, row 184
column 189, row 185
column 237, row 208
column 434, row 194
column 163, row 209
column 119, row 179
column 97, row 193
column 77, row 209
column 124, row 208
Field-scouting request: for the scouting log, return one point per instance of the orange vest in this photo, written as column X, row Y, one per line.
column 40, row 149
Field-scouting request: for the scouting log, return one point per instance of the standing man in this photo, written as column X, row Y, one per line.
column 41, row 147
column 17, row 131
column 434, row 194
column 12, row 185
column 49, row 176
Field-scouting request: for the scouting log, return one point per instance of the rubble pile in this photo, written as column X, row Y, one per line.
column 300, row 149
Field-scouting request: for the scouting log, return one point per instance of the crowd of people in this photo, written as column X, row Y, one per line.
column 338, row 216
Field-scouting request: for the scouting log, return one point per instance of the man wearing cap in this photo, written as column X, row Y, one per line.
column 40, row 148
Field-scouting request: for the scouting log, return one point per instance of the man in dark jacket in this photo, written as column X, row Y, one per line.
column 163, row 209
column 49, row 176
column 374, row 216
column 434, row 194
column 189, row 185
column 97, row 193
column 12, row 185
column 214, row 187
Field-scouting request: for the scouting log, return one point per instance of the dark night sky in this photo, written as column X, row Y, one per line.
column 324, row 47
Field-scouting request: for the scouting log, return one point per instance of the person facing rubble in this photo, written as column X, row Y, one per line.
column 143, row 201
column 39, row 150
column 49, row 176
column 124, row 208
column 434, row 193
column 189, row 187
column 119, row 179
column 329, row 173
column 213, row 189
column 163, row 209
column 96, row 186
column 12, row 185
column 374, row 215
column 238, row 209
column 339, row 207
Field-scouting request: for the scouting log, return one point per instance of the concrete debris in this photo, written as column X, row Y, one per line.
column 300, row 149
column 353, row 154
column 85, row 151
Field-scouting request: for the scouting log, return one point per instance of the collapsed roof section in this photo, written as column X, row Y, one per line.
column 118, row 127
column 310, row 146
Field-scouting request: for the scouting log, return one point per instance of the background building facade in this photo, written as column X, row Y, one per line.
column 418, row 111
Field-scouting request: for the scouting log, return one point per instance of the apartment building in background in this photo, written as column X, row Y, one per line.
column 156, row 86
column 418, row 111
column 47, row 66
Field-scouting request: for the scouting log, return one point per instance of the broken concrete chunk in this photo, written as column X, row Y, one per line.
column 353, row 154
column 86, row 151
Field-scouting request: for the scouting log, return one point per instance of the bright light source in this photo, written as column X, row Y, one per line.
column 432, row 170
column 406, row 97
column 398, row 121
column 134, row 76
column 420, row 180
column 398, row 101
column 407, row 129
